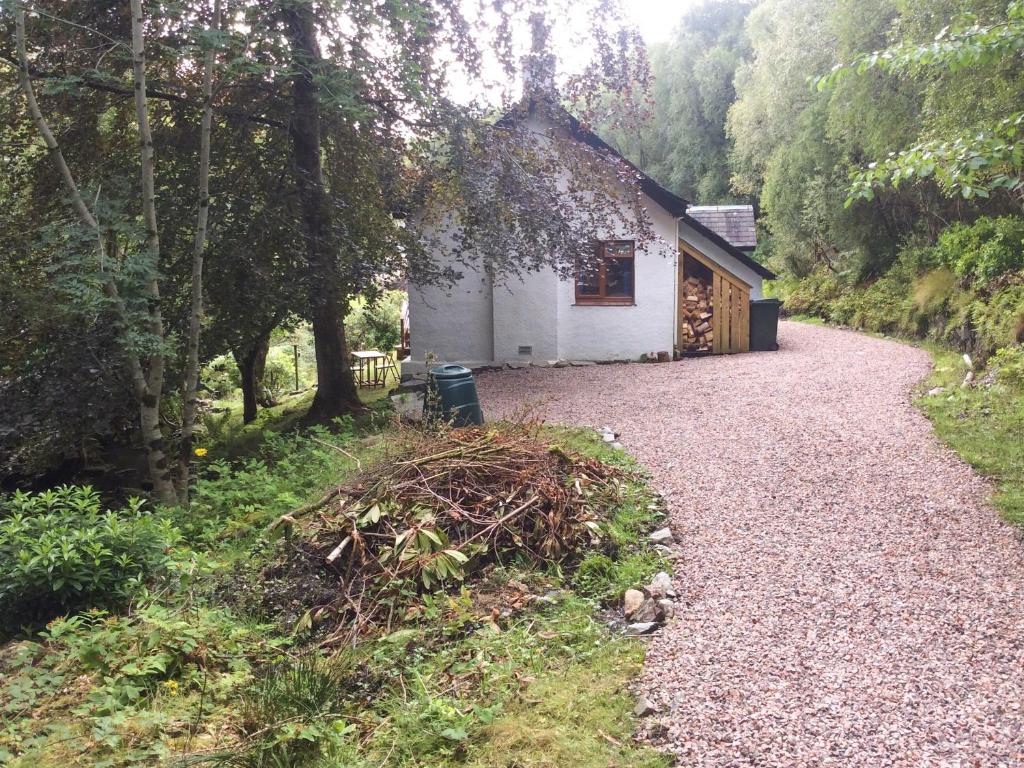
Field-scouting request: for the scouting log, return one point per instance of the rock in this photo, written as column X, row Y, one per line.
column 661, row 586
column 968, row 362
column 968, row 379
column 632, row 602
column 517, row 364
column 662, row 536
column 668, row 608
column 649, row 611
column 644, row 707
column 641, row 628
column 662, row 549
column 618, row 446
column 580, row 363
column 559, row 363
column 936, row 391
column 608, row 437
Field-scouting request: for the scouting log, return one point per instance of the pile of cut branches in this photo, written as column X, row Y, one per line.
column 445, row 504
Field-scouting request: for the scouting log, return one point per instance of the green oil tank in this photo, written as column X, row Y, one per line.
column 451, row 396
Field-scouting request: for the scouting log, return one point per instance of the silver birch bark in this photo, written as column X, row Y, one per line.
column 141, row 383
column 191, row 383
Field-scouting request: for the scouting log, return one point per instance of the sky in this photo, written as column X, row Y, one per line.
column 655, row 18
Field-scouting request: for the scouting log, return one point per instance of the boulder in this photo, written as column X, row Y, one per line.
column 632, row 602
column 661, row 586
column 644, row 707
column 667, row 608
column 662, row 536
column 648, row 611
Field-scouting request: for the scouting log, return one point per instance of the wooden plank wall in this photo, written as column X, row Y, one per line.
column 731, row 321
column 731, row 312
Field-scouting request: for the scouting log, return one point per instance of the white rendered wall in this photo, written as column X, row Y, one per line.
column 526, row 315
column 454, row 324
column 730, row 263
column 590, row 332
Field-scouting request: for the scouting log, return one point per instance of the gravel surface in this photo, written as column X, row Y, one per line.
column 847, row 596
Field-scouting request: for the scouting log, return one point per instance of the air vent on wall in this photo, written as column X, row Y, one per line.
column 525, row 350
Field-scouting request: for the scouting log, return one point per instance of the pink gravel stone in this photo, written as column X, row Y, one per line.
column 846, row 595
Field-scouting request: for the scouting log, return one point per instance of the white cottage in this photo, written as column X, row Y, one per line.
column 687, row 293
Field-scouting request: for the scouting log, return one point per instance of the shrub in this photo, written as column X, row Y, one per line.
column 984, row 250
column 1009, row 365
column 933, row 290
column 61, row 552
column 811, row 295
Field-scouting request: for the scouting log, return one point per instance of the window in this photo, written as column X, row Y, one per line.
column 610, row 278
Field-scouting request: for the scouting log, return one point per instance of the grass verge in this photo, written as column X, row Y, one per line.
column 984, row 424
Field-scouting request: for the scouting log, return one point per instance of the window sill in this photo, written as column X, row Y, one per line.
column 604, row 303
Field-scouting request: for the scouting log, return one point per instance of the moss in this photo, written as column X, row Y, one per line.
column 574, row 717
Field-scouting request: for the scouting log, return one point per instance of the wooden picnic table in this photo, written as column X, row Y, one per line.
column 371, row 368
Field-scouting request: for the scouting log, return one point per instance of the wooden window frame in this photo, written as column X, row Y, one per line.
column 600, row 299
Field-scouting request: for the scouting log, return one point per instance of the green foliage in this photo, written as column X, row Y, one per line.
column 966, row 291
column 291, row 715
column 1008, row 364
column 984, row 250
column 684, row 145
column 232, row 498
column 375, row 323
column 982, row 158
column 115, row 690
column 131, row 656
column 62, row 552
column 811, row 295
column 934, row 289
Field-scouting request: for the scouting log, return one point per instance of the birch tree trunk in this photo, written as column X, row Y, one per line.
column 148, row 415
column 152, row 436
column 191, row 383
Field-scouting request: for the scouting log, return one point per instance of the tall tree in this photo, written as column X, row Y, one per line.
column 684, row 144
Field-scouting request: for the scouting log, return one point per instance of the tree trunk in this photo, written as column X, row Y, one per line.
column 146, row 387
column 336, row 389
column 191, row 382
column 153, row 382
column 251, row 364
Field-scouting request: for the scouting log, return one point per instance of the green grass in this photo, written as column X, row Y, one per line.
column 983, row 424
column 187, row 672
column 808, row 319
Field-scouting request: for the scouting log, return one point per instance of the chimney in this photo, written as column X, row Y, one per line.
column 539, row 65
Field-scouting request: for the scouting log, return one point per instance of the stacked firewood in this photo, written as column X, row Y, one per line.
column 696, row 307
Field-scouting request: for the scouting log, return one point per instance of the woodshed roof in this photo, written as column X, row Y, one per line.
column 733, row 222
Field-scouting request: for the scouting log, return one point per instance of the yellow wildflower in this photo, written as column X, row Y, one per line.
column 200, row 452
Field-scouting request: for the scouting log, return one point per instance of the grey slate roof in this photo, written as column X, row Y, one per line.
column 733, row 222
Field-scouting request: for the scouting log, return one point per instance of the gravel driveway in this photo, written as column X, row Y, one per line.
column 848, row 597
